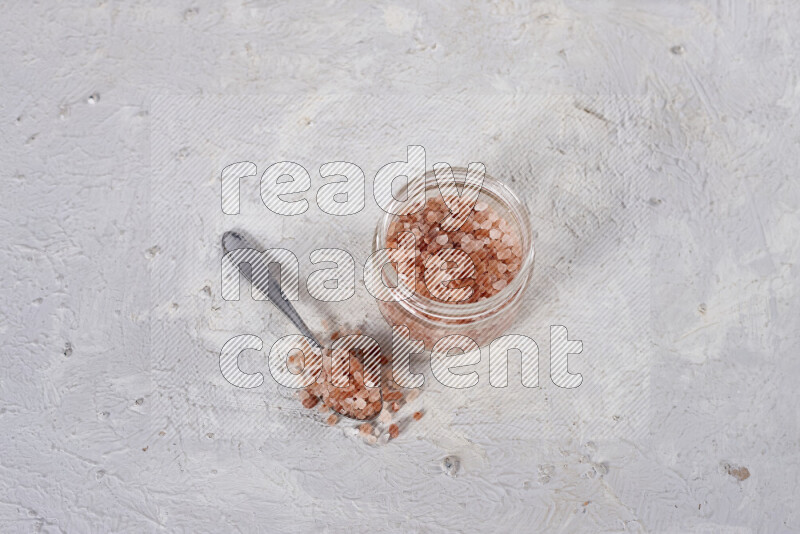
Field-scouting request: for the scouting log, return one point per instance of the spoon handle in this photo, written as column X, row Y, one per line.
column 232, row 240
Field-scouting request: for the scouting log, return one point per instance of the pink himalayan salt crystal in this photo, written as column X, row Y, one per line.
column 385, row 417
column 486, row 237
column 481, row 206
column 500, row 284
column 354, row 400
column 356, row 394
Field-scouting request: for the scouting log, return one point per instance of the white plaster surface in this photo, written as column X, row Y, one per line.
column 81, row 448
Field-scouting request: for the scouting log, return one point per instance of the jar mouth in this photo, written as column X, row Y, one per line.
column 509, row 206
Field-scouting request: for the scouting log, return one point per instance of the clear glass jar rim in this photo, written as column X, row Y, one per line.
column 449, row 310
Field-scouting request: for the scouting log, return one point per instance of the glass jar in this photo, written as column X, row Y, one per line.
column 483, row 321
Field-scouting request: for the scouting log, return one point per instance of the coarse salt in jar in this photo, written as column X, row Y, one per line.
column 498, row 238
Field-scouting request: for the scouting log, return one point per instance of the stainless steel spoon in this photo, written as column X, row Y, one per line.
column 234, row 240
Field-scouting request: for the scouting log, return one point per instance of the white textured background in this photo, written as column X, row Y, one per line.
column 77, row 448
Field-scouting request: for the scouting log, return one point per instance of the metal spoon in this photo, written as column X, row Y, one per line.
column 266, row 284
column 234, row 240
